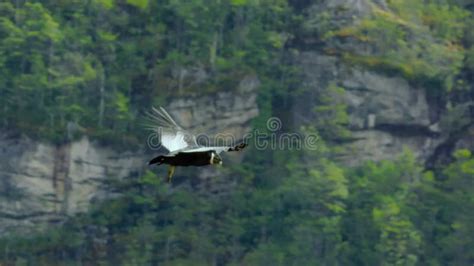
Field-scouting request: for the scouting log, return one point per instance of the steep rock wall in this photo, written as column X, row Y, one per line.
column 44, row 183
column 41, row 183
column 386, row 114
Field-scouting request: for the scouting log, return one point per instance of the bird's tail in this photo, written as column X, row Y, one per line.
column 157, row 160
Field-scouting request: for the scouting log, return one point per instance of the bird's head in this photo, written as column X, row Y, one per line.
column 215, row 158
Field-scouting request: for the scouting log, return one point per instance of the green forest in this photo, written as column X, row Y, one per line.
column 93, row 67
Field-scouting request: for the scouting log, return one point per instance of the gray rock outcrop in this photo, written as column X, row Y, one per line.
column 42, row 183
column 385, row 112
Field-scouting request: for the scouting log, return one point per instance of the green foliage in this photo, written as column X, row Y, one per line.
column 470, row 59
column 98, row 64
column 91, row 63
column 108, row 4
column 387, row 213
column 138, row 3
column 331, row 115
column 399, row 241
column 420, row 41
column 446, row 21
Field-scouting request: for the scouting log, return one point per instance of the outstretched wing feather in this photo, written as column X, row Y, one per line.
column 172, row 136
column 173, row 141
column 168, row 117
column 163, row 119
column 218, row 149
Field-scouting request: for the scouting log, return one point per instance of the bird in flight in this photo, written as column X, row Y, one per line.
column 183, row 149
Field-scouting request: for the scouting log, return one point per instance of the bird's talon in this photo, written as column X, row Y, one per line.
column 171, row 172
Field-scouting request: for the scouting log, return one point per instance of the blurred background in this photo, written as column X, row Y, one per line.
column 386, row 85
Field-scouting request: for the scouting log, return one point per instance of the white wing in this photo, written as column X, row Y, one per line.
column 172, row 136
column 218, row 149
column 201, row 149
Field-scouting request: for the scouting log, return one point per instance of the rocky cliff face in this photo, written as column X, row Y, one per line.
column 42, row 183
column 387, row 112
